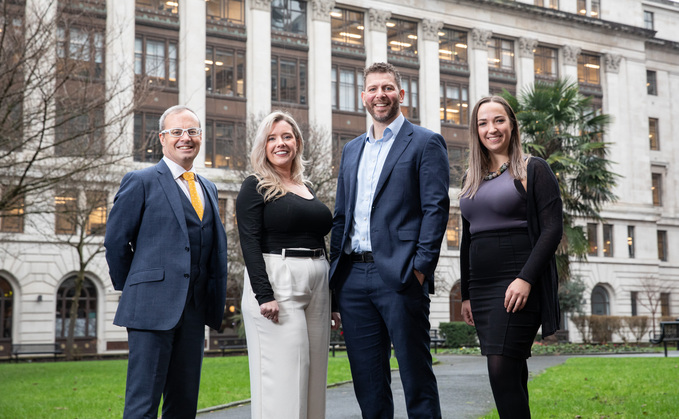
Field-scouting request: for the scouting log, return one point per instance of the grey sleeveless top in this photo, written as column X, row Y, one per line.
column 499, row 203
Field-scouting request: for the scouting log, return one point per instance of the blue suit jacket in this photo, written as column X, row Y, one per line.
column 149, row 256
column 410, row 206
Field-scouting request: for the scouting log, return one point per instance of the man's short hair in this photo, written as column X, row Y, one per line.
column 382, row 68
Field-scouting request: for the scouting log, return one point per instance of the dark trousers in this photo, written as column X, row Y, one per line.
column 166, row 363
column 374, row 316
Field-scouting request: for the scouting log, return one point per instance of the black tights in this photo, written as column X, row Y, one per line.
column 509, row 381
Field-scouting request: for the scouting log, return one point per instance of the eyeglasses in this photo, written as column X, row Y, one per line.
column 178, row 132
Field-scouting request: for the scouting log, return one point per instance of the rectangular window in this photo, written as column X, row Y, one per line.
column 662, row 245
column 222, row 146
column 225, row 71
column 453, row 45
column 634, row 296
column 595, row 11
column 402, row 37
column 552, row 4
column 157, row 59
column 78, row 130
column 80, row 51
column 630, row 241
column 546, row 62
column 409, row 107
column 288, row 80
column 453, row 230
column 12, row 218
column 582, row 7
column 289, row 16
column 147, row 147
column 656, row 189
column 589, row 69
column 97, row 212
column 232, row 11
column 653, row 133
column 457, row 158
column 501, row 54
column 608, row 240
column 66, row 206
column 665, row 304
column 651, row 83
column 454, row 103
column 347, row 26
column 592, row 240
column 338, row 143
column 160, row 5
column 648, row 20
column 346, row 90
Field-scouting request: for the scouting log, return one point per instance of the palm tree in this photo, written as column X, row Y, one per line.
column 563, row 127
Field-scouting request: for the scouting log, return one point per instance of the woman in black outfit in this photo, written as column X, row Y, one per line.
column 512, row 224
column 286, row 301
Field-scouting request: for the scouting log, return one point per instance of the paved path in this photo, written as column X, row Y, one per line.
column 463, row 387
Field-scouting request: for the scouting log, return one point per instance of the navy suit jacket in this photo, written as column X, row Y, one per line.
column 409, row 211
column 149, row 255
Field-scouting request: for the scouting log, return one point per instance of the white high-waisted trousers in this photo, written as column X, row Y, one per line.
column 289, row 359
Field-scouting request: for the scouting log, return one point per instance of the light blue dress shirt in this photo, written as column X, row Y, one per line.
column 374, row 155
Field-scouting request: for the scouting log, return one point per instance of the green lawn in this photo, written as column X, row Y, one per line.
column 602, row 387
column 592, row 387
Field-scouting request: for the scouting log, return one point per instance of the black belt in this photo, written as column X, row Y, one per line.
column 299, row 253
column 365, row 257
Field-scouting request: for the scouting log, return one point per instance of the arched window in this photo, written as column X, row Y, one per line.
column 600, row 301
column 455, row 299
column 86, row 322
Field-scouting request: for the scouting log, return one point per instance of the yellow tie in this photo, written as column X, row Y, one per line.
column 195, row 200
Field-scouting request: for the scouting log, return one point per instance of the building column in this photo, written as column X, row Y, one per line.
column 320, row 63
column 613, row 101
column 120, row 78
column 376, row 36
column 430, row 76
column 526, row 71
column 192, row 61
column 479, row 85
column 569, row 58
column 258, row 59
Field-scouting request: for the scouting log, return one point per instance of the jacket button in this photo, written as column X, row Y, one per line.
column 187, row 249
column 187, row 276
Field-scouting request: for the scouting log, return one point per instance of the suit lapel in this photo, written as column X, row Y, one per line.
column 172, row 192
column 400, row 144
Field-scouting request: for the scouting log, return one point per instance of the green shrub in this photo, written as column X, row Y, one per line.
column 458, row 334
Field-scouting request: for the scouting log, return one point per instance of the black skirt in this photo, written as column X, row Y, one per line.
column 496, row 258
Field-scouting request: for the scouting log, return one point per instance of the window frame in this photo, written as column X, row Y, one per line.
column 497, row 50
column 649, row 20
column 453, row 229
column 462, row 104
column 337, row 88
column 225, row 11
column 662, row 245
column 630, row 242
column 343, row 25
column 237, row 70
column 657, row 189
column 286, row 11
column 651, row 82
column 401, row 38
column 654, row 140
column 234, row 152
column 541, row 60
column 65, row 208
column 12, row 218
column 301, row 79
column 170, row 60
column 592, row 239
column 94, row 47
column 97, row 205
column 411, row 96
column 458, row 41
column 589, row 69
column 608, row 240
column 147, row 137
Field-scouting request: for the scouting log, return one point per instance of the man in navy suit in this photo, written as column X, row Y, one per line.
column 166, row 252
column 391, row 212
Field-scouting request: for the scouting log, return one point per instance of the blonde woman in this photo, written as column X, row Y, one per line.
column 512, row 224
column 286, row 301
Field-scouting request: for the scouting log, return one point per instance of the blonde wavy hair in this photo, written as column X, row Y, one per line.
column 270, row 182
column 479, row 158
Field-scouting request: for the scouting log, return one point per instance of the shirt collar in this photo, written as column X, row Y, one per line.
column 394, row 127
column 176, row 169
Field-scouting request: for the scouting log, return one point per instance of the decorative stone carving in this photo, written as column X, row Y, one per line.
column 480, row 38
column 430, row 29
column 527, row 47
column 570, row 54
column 264, row 5
column 612, row 63
column 321, row 9
column 377, row 19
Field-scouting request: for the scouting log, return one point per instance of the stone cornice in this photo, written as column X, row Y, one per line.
column 377, row 19
column 320, row 9
column 430, row 29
